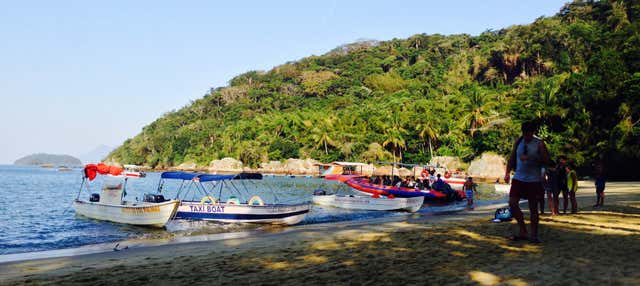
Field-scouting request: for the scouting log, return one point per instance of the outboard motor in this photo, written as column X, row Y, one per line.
column 94, row 198
column 319, row 192
column 153, row 198
column 159, row 198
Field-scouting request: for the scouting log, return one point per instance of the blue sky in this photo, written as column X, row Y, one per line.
column 77, row 74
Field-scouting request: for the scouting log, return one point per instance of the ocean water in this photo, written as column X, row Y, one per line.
column 36, row 212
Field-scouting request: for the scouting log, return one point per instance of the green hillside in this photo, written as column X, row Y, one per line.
column 48, row 159
column 576, row 73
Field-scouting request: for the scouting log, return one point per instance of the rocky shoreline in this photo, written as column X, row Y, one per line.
column 488, row 167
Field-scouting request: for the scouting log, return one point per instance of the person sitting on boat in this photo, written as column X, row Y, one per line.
column 432, row 178
column 441, row 186
column 403, row 182
column 422, row 183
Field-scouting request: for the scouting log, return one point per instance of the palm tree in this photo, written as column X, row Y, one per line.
column 322, row 133
column 426, row 130
column 547, row 91
column 476, row 106
column 393, row 135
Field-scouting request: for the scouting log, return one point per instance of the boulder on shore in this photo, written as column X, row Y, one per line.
column 450, row 162
column 488, row 165
column 226, row 165
column 271, row 167
column 186, row 166
column 301, row 167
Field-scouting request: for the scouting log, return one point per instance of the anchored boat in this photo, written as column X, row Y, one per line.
column 228, row 198
column 110, row 205
column 375, row 203
column 363, row 185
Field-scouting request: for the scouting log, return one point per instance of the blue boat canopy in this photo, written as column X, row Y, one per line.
column 248, row 176
column 179, row 175
column 210, row 178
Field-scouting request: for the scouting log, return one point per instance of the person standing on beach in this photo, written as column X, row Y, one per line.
column 469, row 188
column 552, row 190
column 528, row 155
column 561, row 176
column 600, row 182
column 572, row 186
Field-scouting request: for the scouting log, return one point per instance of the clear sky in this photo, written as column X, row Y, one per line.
column 77, row 74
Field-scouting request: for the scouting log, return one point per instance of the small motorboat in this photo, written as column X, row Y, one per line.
column 133, row 171
column 362, row 184
column 228, row 199
column 110, row 205
column 374, row 203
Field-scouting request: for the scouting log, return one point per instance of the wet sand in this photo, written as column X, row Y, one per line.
column 595, row 246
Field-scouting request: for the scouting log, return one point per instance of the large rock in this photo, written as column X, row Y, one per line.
column 273, row 167
column 489, row 165
column 226, row 165
column 451, row 163
column 187, row 166
column 299, row 166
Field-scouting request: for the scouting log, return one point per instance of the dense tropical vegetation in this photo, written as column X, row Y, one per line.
column 577, row 74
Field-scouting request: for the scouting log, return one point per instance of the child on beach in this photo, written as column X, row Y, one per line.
column 551, row 189
column 572, row 186
column 600, row 182
column 469, row 188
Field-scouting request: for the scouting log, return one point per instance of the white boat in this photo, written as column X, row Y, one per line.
column 135, row 213
column 109, row 205
column 502, row 188
column 238, row 205
column 243, row 212
column 133, row 171
column 380, row 203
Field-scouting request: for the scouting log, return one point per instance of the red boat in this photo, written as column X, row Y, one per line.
column 362, row 184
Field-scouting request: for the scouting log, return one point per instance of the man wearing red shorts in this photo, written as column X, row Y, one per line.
column 528, row 156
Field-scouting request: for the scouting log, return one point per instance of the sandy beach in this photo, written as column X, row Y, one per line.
column 593, row 247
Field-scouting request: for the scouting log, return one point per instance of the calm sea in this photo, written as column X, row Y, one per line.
column 36, row 212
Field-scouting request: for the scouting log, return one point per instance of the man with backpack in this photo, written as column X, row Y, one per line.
column 529, row 154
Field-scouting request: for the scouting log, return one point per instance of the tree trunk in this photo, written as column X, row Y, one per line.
column 430, row 149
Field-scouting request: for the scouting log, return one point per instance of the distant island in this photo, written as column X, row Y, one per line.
column 48, row 160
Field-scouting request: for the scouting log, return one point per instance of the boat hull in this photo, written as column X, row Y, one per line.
column 138, row 213
column 455, row 183
column 412, row 204
column 396, row 191
column 243, row 213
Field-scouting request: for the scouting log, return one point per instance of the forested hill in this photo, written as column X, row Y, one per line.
column 48, row 159
column 576, row 73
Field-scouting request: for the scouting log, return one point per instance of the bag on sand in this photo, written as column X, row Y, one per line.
column 502, row 214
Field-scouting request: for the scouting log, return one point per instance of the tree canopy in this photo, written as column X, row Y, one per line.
column 575, row 73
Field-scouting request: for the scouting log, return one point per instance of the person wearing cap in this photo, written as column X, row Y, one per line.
column 529, row 154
